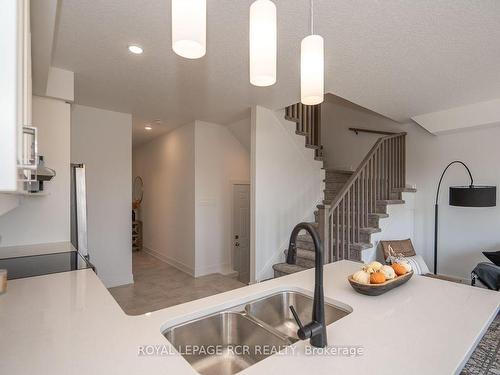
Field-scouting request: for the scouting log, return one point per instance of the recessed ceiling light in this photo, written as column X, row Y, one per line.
column 135, row 49
column 148, row 127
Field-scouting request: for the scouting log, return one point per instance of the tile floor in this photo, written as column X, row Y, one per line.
column 158, row 285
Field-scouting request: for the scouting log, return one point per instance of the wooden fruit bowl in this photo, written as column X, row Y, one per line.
column 378, row 289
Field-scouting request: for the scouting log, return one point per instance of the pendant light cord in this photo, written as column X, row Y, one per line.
column 312, row 17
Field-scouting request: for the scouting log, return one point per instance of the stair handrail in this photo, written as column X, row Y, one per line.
column 338, row 198
column 372, row 131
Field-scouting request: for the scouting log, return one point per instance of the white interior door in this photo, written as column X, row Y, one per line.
column 241, row 232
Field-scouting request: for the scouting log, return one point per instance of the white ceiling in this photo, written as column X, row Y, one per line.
column 398, row 58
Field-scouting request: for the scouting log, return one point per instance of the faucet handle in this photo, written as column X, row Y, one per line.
column 296, row 317
column 306, row 331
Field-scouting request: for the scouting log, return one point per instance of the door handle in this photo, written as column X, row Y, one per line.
column 237, row 244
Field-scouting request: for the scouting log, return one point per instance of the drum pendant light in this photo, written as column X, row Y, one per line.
column 189, row 28
column 312, row 67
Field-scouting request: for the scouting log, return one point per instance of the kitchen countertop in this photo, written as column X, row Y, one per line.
column 35, row 249
column 68, row 323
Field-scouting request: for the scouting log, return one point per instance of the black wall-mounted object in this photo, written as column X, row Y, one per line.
column 463, row 196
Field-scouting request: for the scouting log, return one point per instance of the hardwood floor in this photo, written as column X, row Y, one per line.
column 158, row 285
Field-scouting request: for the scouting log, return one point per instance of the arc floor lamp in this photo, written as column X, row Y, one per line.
column 463, row 196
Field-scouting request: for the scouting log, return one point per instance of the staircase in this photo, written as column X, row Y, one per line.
column 354, row 201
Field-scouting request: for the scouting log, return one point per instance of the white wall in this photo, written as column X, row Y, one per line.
column 102, row 140
column 343, row 148
column 166, row 166
column 242, row 132
column 287, row 184
column 464, row 232
column 45, row 219
column 220, row 161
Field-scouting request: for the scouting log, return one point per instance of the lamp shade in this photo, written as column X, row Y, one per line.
column 263, row 43
column 473, row 196
column 312, row 70
column 189, row 28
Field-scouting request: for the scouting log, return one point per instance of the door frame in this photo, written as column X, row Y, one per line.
column 231, row 239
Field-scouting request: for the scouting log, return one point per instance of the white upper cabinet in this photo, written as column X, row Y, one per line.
column 15, row 89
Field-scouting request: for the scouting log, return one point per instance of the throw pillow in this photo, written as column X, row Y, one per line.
column 493, row 256
column 416, row 262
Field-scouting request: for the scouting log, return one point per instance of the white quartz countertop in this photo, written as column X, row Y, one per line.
column 35, row 249
column 69, row 324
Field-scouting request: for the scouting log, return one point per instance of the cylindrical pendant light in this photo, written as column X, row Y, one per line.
column 263, row 43
column 189, row 28
column 312, row 69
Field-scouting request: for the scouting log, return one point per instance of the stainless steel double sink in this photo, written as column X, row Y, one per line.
column 231, row 340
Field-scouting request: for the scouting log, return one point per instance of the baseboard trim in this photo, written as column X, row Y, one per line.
column 216, row 268
column 174, row 263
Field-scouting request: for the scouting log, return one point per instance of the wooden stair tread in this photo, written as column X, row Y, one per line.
column 404, row 190
column 360, row 246
column 390, row 201
column 340, row 171
column 288, row 268
column 314, row 147
column 368, row 230
column 304, row 253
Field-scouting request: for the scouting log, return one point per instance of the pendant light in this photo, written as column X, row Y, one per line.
column 189, row 28
column 312, row 67
column 263, row 43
